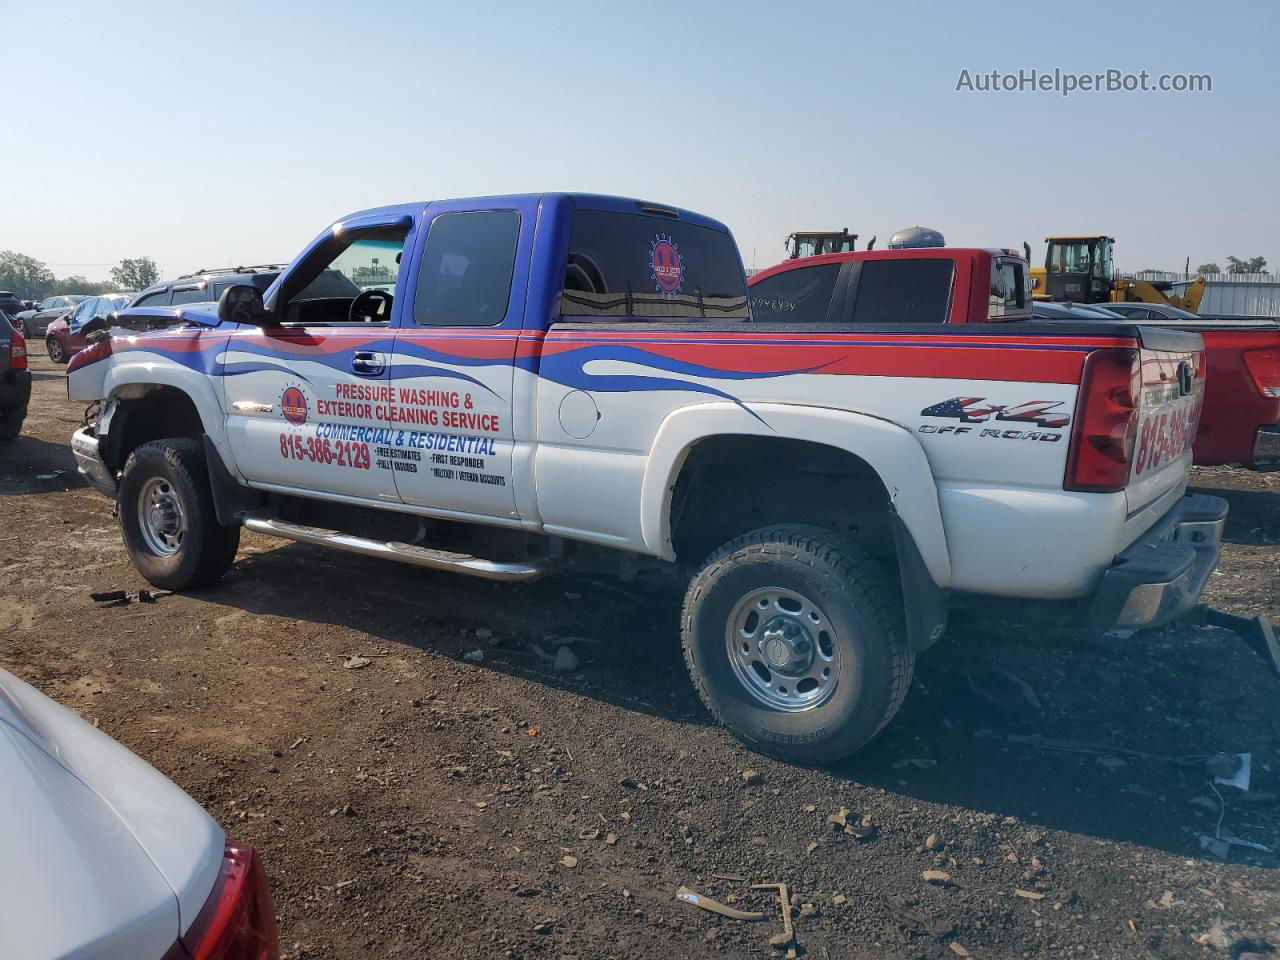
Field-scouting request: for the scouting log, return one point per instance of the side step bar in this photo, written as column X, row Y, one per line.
column 404, row 552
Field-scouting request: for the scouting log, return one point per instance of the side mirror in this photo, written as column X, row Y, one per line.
column 242, row 303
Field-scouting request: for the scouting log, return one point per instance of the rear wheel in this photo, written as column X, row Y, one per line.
column 57, row 353
column 167, row 516
column 792, row 641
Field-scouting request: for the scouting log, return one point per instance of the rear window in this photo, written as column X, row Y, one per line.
column 801, row 295
column 903, row 291
column 624, row 265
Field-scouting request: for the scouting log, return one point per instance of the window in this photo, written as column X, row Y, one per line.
column 1008, row 288
column 465, row 276
column 51, row 304
column 903, row 291
column 801, row 295
column 183, row 295
column 340, row 269
column 637, row 265
column 158, row 299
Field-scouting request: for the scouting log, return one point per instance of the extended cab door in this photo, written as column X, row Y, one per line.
column 308, row 398
column 455, row 357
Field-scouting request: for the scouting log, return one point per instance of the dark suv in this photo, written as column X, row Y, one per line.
column 206, row 285
column 15, row 378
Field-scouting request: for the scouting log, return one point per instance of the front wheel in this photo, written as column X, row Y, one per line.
column 167, row 516
column 57, row 352
column 792, row 640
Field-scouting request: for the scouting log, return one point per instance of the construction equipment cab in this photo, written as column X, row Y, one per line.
column 560, row 379
column 1080, row 269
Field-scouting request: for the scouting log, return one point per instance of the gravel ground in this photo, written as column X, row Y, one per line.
column 425, row 805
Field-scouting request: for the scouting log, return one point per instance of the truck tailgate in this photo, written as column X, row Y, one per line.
column 1172, row 371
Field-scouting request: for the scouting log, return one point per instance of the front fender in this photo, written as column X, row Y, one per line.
column 893, row 452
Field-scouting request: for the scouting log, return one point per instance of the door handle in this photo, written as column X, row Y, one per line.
column 366, row 363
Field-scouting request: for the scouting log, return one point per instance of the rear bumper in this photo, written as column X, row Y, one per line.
column 1161, row 575
column 15, row 389
column 84, row 444
column 1266, row 446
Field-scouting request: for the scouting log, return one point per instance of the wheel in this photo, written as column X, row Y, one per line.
column 28, row 331
column 11, row 422
column 57, row 353
column 792, row 640
column 167, row 516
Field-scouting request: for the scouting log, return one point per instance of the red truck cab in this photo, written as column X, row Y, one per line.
column 1239, row 422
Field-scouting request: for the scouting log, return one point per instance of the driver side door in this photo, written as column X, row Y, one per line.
column 306, row 399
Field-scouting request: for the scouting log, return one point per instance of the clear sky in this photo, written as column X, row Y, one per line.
column 220, row 133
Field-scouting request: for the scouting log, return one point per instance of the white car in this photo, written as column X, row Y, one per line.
column 106, row 859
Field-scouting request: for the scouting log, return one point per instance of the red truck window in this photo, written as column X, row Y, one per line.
column 802, row 295
column 903, row 291
column 635, row 265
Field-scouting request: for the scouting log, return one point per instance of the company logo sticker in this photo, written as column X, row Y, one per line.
column 666, row 265
column 293, row 404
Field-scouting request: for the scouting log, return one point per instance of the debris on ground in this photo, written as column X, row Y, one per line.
column 356, row 662
column 566, row 661
column 752, row 778
column 473, row 656
column 686, row 895
column 939, row 878
column 786, row 940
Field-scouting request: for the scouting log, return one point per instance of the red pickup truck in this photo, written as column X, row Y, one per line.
column 1239, row 422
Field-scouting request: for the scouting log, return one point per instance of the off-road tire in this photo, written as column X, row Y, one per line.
column 873, row 665
column 208, row 548
column 11, row 422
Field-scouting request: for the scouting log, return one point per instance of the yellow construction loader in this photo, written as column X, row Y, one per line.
column 1079, row 269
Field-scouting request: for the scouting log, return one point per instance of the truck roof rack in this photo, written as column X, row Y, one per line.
column 252, row 268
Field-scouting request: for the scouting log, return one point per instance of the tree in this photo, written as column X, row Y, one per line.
column 78, row 284
column 135, row 274
column 1209, row 267
column 26, row 276
column 1252, row 265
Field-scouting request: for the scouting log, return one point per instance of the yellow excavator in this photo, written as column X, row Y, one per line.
column 1078, row 268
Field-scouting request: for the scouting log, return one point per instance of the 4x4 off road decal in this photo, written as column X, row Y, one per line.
column 1041, row 413
column 666, row 265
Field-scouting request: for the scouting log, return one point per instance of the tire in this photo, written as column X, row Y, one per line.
column 28, row 331
column 57, row 353
column 807, row 586
column 180, row 543
column 11, row 422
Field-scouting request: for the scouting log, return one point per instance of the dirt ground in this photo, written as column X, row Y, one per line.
column 430, row 806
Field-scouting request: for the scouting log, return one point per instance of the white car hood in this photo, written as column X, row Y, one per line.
column 102, row 856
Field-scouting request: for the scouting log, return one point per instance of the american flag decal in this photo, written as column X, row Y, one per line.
column 980, row 410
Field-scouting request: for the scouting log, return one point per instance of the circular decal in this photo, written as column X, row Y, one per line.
column 666, row 265
column 293, row 404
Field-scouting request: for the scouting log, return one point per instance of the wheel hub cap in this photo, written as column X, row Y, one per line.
column 782, row 649
column 160, row 517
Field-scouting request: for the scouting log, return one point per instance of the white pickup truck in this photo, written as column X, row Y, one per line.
column 498, row 386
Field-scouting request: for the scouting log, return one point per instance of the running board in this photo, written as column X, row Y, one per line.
column 404, row 552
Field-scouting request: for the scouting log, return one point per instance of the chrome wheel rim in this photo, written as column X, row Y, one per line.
column 161, row 517
column 782, row 649
column 55, row 351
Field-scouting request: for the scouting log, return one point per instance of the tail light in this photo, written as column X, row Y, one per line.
column 238, row 921
column 1264, row 367
column 17, row 351
column 94, row 351
column 1106, row 422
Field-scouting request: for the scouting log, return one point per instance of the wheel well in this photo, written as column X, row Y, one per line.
column 729, row 485
column 158, row 412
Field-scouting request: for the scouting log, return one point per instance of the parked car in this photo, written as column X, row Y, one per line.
column 1050, row 310
column 15, row 378
column 105, row 858
column 10, row 303
column 66, row 336
column 561, row 371
column 206, row 285
column 36, row 321
column 1240, row 423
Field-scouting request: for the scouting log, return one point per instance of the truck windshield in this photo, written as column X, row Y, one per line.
column 634, row 265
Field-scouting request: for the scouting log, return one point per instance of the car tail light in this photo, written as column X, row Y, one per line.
column 1264, row 367
column 94, row 351
column 17, row 351
column 238, row 921
column 1106, row 422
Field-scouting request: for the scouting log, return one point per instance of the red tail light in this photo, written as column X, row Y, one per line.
column 91, row 353
column 238, row 921
column 1106, row 422
column 17, row 351
column 1264, row 367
